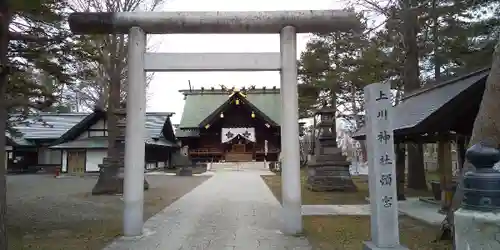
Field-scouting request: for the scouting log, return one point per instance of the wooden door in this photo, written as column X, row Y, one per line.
column 238, row 148
column 76, row 162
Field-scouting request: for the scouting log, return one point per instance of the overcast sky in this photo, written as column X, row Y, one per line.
column 163, row 92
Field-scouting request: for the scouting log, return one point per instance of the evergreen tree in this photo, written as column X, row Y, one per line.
column 458, row 36
column 33, row 38
column 336, row 66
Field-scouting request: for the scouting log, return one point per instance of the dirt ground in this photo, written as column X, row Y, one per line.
column 349, row 232
column 56, row 214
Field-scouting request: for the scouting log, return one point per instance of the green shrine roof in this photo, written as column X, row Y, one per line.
column 201, row 103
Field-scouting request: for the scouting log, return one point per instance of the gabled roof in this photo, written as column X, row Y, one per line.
column 203, row 102
column 421, row 109
column 158, row 126
column 187, row 132
column 102, row 143
column 244, row 101
column 43, row 126
column 17, row 140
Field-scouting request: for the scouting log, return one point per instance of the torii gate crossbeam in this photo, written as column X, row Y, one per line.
column 138, row 24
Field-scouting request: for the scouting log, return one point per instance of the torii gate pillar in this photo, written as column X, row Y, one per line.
column 138, row 24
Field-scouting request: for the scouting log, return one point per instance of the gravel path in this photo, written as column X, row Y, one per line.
column 51, row 213
column 233, row 210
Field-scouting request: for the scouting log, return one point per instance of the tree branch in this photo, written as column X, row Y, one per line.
column 23, row 102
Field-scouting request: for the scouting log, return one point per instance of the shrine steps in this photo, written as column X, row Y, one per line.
column 237, row 166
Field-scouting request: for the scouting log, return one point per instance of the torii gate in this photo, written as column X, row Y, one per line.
column 138, row 24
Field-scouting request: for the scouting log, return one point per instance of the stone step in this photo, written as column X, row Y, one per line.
column 122, row 156
column 329, row 164
column 121, row 112
column 108, row 161
column 330, row 183
column 237, row 166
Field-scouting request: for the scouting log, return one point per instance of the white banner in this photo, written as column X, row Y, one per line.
column 230, row 133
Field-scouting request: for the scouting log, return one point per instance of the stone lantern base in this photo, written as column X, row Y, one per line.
column 111, row 179
column 111, row 171
column 329, row 171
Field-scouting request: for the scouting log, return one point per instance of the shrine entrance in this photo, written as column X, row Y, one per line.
column 138, row 24
column 239, row 144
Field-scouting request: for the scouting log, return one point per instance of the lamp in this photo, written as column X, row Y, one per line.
column 253, row 114
column 207, row 126
column 221, row 115
column 237, row 102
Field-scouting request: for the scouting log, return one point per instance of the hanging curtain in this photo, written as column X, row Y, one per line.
column 230, row 133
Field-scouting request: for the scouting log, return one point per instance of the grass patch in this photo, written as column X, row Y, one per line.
column 333, row 198
column 319, row 198
column 349, row 232
column 92, row 235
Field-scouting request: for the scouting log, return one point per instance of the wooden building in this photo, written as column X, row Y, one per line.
column 84, row 146
column 231, row 125
column 27, row 147
column 76, row 143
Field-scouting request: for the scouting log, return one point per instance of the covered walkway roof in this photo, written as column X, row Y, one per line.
column 450, row 106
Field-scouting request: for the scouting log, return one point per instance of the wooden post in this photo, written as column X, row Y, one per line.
column 461, row 148
column 400, row 170
column 445, row 172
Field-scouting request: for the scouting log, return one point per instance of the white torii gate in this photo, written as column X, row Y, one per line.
column 138, row 24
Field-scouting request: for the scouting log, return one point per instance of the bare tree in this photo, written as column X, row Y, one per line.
column 110, row 54
column 111, row 77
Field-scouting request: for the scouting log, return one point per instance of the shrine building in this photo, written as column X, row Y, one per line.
column 231, row 125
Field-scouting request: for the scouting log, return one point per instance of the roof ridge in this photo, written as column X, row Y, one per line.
column 85, row 114
column 228, row 91
column 161, row 113
column 51, row 113
column 444, row 83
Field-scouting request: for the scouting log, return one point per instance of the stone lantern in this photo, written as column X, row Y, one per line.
column 302, row 128
column 328, row 169
column 327, row 127
column 477, row 221
column 482, row 186
column 114, row 184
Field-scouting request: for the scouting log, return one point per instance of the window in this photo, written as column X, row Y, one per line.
column 97, row 132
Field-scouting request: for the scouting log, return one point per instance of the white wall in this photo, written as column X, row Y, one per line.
column 64, row 165
column 94, row 158
column 101, row 124
column 150, row 165
column 7, row 148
